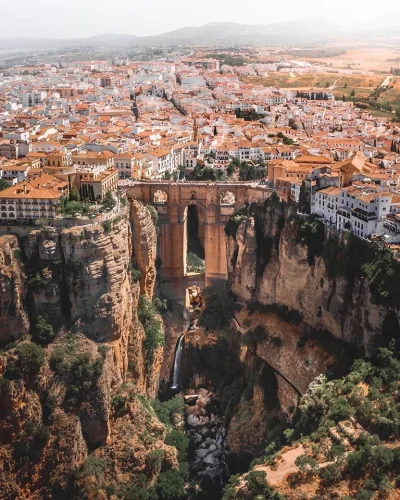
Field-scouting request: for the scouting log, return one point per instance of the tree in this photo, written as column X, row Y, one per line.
column 29, row 360
column 304, row 198
column 170, row 486
column 74, row 195
column 72, row 208
column 180, row 441
column 330, row 474
column 353, row 93
column 109, row 201
column 3, row 184
column 341, row 409
column 306, row 463
column 182, row 171
column 43, row 332
column 230, row 169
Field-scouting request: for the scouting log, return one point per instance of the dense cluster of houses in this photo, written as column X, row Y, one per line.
column 86, row 125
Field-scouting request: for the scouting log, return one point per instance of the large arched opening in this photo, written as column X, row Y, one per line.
column 193, row 245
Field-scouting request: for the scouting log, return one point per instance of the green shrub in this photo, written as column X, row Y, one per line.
column 17, row 254
column 80, row 372
column 239, row 216
column 43, row 332
column 364, row 494
column 180, row 441
column 118, row 405
column 94, row 466
column 257, row 482
column 165, row 410
column 306, row 463
column 109, row 201
column 41, row 435
column 37, row 281
column 330, row 474
column 153, row 214
column 133, row 492
column 154, row 335
column 136, row 275
column 154, row 461
column 30, row 358
column 230, row 490
column 161, row 305
column 58, row 361
column 170, row 486
column 341, row 409
column 107, row 225
column 257, row 487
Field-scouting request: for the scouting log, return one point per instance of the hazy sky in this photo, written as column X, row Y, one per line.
column 78, row 18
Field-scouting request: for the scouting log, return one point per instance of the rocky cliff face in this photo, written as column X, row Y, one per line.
column 81, row 282
column 268, row 265
column 14, row 319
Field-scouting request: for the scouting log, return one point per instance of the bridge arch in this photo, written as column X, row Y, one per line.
column 212, row 207
column 194, row 249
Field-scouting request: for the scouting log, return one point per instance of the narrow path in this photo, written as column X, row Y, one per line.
column 334, row 84
column 386, row 82
column 285, row 466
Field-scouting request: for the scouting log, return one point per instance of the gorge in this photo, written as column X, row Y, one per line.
column 91, row 337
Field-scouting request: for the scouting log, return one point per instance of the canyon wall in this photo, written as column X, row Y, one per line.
column 268, row 265
column 81, row 281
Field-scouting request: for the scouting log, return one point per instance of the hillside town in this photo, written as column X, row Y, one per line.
column 71, row 133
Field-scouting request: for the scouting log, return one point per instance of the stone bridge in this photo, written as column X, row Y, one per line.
column 215, row 202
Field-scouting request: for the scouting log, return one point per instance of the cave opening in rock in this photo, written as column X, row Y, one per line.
column 194, row 241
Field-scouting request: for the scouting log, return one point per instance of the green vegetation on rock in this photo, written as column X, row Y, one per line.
column 152, row 324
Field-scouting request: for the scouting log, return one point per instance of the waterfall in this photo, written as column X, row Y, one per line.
column 177, row 363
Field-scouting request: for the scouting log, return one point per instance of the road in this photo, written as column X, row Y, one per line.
column 386, row 82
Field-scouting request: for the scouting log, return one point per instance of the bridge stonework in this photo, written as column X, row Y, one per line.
column 212, row 216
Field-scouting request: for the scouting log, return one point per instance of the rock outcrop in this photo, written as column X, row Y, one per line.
column 144, row 246
column 268, row 265
column 14, row 319
column 81, row 281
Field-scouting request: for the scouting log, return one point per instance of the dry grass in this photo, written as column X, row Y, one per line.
column 319, row 80
column 364, row 58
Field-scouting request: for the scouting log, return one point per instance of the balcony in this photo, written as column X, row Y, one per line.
column 344, row 212
column 363, row 215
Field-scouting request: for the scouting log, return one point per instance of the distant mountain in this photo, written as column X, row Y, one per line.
column 309, row 29
column 109, row 40
column 303, row 30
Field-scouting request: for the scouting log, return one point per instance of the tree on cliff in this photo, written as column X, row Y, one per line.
column 43, row 332
column 304, row 198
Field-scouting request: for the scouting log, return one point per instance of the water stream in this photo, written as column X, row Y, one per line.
column 177, row 363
